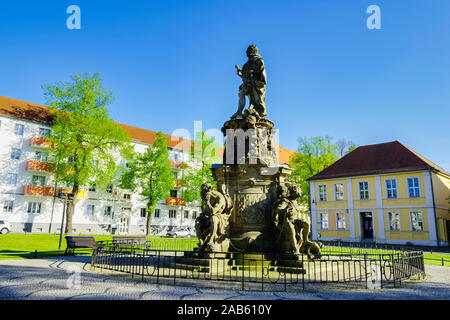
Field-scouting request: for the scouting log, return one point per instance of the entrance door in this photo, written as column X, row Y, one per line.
column 123, row 226
column 367, row 225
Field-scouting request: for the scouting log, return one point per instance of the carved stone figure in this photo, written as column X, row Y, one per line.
column 253, row 85
column 211, row 225
column 284, row 215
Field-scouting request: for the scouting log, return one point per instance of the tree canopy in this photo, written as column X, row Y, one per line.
column 150, row 175
column 86, row 144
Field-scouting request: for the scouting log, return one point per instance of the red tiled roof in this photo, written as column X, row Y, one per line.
column 38, row 113
column 380, row 158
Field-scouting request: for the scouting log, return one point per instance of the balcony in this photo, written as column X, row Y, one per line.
column 39, row 166
column 39, row 142
column 38, row 191
column 81, row 193
column 175, row 201
column 174, row 164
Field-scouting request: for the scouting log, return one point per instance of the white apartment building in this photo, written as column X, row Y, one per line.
column 27, row 186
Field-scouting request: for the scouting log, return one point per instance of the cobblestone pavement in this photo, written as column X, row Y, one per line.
column 53, row 279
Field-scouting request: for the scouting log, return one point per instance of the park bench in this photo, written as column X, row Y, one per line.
column 120, row 242
column 80, row 242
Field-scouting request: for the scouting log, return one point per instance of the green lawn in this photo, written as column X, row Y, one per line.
column 23, row 246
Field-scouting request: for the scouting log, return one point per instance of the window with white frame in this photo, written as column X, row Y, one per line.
column 41, row 156
column 391, row 188
column 322, row 192
column 394, row 220
column 194, row 215
column 172, row 214
column 43, row 132
column 90, row 209
column 363, row 190
column 127, row 196
column 157, row 213
column 339, row 191
column 34, row 207
column 413, row 187
column 11, row 178
column 186, row 214
column 144, row 212
column 38, row 181
column 340, row 221
column 416, row 220
column 15, row 153
column 92, row 187
column 18, row 129
column 8, row 205
column 107, row 210
column 323, row 221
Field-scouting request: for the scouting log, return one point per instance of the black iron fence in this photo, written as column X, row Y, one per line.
column 256, row 271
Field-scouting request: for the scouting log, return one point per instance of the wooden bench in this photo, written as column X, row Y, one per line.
column 80, row 242
column 119, row 242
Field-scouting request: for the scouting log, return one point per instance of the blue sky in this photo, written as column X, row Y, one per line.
column 170, row 63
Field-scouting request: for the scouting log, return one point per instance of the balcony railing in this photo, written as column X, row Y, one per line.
column 175, row 164
column 40, row 142
column 38, row 165
column 38, row 190
column 175, row 201
column 81, row 193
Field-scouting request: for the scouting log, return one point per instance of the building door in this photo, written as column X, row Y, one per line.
column 123, row 226
column 367, row 225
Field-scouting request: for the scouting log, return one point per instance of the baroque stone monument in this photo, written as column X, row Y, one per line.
column 254, row 208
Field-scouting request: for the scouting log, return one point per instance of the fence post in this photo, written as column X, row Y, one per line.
column 175, row 269
column 243, row 270
column 262, row 272
column 303, row 274
column 159, row 258
column 365, row 267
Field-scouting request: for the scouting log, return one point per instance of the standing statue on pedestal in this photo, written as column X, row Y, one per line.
column 253, row 85
column 211, row 225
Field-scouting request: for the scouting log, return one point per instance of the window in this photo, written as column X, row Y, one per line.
column 43, row 132
column 109, row 188
column 156, row 213
column 90, row 209
column 172, row 214
column 15, row 154
column 107, row 211
column 416, row 220
column 34, row 207
column 339, row 191
column 8, row 205
column 394, row 221
column 144, row 212
column 340, row 221
column 186, row 214
column 363, row 190
column 127, row 196
column 322, row 192
column 323, row 221
column 194, row 215
column 18, row 129
column 38, row 181
column 173, row 193
column 41, row 156
column 391, row 188
column 11, row 178
column 92, row 187
column 413, row 187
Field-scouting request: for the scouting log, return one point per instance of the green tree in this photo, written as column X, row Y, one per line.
column 315, row 154
column 86, row 145
column 205, row 151
column 150, row 175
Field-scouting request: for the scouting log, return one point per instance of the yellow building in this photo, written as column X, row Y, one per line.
column 383, row 193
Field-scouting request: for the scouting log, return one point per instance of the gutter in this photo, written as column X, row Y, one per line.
column 434, row 207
